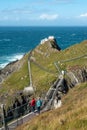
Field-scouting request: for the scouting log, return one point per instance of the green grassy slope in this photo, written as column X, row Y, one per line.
column 45, row 57
column 71, row 116
column 73, row 113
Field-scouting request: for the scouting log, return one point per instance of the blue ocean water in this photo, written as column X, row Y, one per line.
column 16, row 41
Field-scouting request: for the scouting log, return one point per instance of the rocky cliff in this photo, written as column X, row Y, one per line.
column 15, row 76
column 49, row 42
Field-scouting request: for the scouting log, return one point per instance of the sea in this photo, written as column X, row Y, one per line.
column 17, row 41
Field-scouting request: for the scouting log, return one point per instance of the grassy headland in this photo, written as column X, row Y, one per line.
column 44, row 72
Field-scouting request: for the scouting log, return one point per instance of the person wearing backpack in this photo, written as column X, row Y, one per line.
column 38, row 105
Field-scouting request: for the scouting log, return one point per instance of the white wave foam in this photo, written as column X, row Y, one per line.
column 73, row 34
column 15, row 57
column 58, row 37
column 6, row 40
column 3, row 65
column 7, row 59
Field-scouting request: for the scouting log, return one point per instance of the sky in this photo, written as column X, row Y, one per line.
column 43, row 12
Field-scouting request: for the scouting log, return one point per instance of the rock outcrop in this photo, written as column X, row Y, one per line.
column 9, row 69
column 77, row 74
column 51, row 44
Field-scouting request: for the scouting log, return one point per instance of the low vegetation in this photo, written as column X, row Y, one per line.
column 43, row 69
column 71, row 116
column 73, row 113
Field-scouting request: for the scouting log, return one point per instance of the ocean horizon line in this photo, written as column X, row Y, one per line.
column 41, row 26
column 21, row 39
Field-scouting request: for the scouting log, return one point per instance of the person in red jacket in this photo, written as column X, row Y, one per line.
column 33, row 104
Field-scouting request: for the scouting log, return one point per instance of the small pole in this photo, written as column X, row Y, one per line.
column 3, row 116
column 63, row 73
column 29, row 69
column 57, row 66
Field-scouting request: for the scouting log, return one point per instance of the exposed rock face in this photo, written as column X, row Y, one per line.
column 77, row 75
column 52, row 42
column 14, row 66
column 9, row 69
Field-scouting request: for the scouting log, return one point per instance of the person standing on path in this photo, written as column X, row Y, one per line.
column 33, row 104
column 57, row 102
column 38, row 105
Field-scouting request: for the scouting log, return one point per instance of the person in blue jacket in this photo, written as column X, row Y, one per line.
column 38, row 105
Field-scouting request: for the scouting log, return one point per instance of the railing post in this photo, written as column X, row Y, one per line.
column 58, row 67
column 29, row 69
column 3, row 117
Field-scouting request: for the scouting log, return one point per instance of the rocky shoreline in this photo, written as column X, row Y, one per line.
column 75, row 74
column 8, row 70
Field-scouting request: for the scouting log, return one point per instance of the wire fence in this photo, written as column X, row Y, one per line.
column 13, row 114
column 44, row 69
column 72, row 59
column 56, row 63
column 16, row 113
